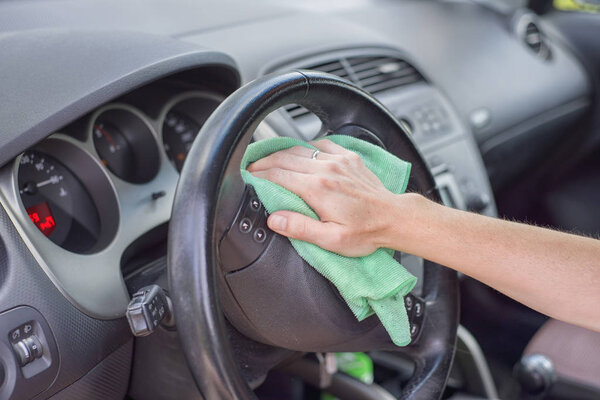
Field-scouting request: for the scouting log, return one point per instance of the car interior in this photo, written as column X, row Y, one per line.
column 136, row 264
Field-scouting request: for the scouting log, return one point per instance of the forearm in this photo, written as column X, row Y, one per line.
column 555, row 273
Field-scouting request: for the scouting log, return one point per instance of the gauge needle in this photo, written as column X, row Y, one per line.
column 106, row 135
column 52, row 179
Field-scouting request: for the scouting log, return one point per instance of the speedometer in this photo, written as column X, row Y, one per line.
column 57, row 202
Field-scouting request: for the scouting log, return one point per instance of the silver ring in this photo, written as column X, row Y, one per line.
column 315, row 154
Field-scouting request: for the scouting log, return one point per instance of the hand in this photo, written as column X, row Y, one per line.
column 356, row 210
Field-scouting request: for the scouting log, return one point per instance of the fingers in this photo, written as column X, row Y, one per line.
column 307, row 152
column 297, row 158
column 327, row 146
column 338, row 153
column 301, row 151
column 301, row 227
column 283, row 160
column 295, row 182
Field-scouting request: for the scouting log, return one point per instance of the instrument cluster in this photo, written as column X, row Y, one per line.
column 77, row 187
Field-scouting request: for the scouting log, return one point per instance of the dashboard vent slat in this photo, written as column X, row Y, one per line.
column 296, row 111
column 384, row 73
column 373, row 73
column 328, row 67
column 388, row 69
column 360, row 64
column 335, row 68
column 376, row 76
column 390, row 84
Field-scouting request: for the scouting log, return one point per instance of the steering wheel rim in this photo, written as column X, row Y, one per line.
column 207, row 198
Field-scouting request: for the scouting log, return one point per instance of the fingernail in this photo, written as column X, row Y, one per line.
column 277, row 222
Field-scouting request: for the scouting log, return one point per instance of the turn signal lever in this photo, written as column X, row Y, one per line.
column 149, row 307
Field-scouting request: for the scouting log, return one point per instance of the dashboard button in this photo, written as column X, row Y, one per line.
column 414, row 330
column 15, row 335
column 260, row 235
column 28, row 349
column 23, row 353
column 245, row 225
column 255, row 204
column 34, row 346
column 418, row 309
column 480, row 117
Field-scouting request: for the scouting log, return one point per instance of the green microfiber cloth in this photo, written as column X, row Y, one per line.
column 375, row 283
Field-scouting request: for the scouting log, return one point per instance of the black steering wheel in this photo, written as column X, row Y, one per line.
column 224, row 260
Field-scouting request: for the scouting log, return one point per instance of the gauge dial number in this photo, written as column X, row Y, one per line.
column 57, row 202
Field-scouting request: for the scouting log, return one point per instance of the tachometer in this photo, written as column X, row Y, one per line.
column 179, row 132
column 182, row 123
column 57, row 202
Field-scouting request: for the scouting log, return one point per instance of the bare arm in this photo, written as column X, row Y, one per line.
column 555, row 273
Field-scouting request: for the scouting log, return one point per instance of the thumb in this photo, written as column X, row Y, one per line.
column 299, row 226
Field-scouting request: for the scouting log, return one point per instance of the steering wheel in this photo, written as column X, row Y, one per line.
column 222, row 258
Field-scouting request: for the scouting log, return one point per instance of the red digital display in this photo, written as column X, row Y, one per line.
column 41, row 216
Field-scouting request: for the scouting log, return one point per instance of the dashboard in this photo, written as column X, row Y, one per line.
column 87, row 193
column 91, row 149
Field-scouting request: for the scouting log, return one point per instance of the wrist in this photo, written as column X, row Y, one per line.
column 407, row 215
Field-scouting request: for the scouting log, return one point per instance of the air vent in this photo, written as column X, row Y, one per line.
column 335, row 68
column 373, row 74
column 534, row 38
column 377, row 74
column 296, row 111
